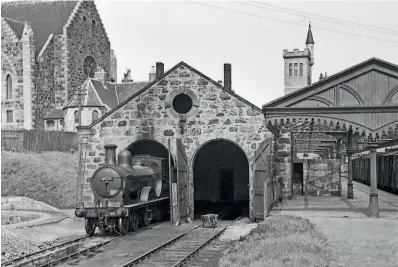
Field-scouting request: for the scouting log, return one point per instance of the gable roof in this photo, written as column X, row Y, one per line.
column 45, row 17
column 149, row 85
column 373, row 63
column 16, row 26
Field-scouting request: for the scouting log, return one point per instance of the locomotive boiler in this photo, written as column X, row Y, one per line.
column 128, row 193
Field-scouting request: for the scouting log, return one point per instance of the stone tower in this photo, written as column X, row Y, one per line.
column 298, row 65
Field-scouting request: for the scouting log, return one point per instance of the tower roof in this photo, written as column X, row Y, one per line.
column 310, row 39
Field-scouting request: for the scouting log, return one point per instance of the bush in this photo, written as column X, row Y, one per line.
column 280, row 241
column 50, row 177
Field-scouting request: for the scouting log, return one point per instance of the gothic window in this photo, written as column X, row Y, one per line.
column 95, row 115
column 9, row 87
column 10, row 118
column 301, row 69
column 89, row 67
column 76, row 116
column 290, row 69
column 295, row 69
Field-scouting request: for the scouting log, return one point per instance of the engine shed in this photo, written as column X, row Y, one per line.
column 219, row 146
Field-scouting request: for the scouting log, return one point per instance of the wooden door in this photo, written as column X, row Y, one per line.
column 262, row 173
column 182, row 180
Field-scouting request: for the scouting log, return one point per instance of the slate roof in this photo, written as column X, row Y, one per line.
column 55, row 114
column 108, row 94
column 45, row 17
column 310, row 39
column 124, row 90
column 17, row 26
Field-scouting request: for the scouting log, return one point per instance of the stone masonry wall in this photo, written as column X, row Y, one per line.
column 215, row 114
column 282, row 159
column 85, row 36
column 11, row 64
column 321, row 177
column 60, row 68
column 45, row 98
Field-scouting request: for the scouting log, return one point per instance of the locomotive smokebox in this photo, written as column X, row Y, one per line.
column 110, row 154
column 125, row 159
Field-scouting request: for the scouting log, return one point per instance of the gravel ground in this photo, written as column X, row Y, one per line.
column 361, row 241
column 22, row 241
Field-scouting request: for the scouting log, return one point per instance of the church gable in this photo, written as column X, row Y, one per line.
column 371, row 83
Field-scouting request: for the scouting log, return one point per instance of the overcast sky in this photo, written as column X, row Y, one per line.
column 205, row 37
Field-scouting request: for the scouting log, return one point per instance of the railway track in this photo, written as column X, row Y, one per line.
column 59, row 253
column 178, row 250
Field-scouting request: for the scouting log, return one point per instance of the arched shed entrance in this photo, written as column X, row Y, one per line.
column 221, row 180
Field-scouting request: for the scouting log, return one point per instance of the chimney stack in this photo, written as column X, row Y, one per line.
column 227, row 77
column 110, row 154
column 152, row 74
column 326, row 74
column 321, row 77
column 100, row 75
column 159, row 69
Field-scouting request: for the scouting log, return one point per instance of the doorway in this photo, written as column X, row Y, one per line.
column 298, row 179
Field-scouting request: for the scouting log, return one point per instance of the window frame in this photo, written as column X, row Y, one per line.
column 76, row 116
column 9, row 90
column 12, row 116
column 301, row 69
column 295, row 69
column 290, row 69
column 92, row 115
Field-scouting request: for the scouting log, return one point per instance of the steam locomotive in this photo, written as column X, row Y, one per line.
column 128, row 193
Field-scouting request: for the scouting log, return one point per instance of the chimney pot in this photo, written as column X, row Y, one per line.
column 227, row 77
column 110, row 154
column 321, row 77
column 219, row 82
column 159, row 69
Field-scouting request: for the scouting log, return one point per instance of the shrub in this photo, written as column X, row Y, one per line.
column 50, row 177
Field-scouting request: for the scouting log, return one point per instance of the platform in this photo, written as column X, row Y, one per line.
column 341, row 206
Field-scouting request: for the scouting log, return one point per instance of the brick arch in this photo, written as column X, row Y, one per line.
column 139, row 140
column 197, row 150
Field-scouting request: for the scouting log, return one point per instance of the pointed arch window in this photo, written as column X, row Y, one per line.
column 9, row 87
column 76, row 116
column 95, row 115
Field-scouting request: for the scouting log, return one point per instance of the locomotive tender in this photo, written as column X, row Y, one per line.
column 127, row 193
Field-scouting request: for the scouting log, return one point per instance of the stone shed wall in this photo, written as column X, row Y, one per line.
column 215, row 114
column 321, row 177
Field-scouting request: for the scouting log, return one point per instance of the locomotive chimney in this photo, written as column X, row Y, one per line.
column 125, row 159
column 110, row 154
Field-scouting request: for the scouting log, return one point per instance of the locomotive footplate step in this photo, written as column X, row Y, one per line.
column 133, row 245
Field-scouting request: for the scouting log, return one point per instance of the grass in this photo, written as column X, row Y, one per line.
column 280, row 241
column 49, row 177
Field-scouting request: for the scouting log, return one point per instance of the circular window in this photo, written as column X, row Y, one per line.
column 182, row 103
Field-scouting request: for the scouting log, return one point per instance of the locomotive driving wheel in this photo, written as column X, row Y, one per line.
column 123, row 225
column 134, row 220
column 90, row 226
column 146, row 219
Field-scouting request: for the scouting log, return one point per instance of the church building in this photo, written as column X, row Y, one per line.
column 48, row 49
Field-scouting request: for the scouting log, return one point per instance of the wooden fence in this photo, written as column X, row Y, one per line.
column 38, row 140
